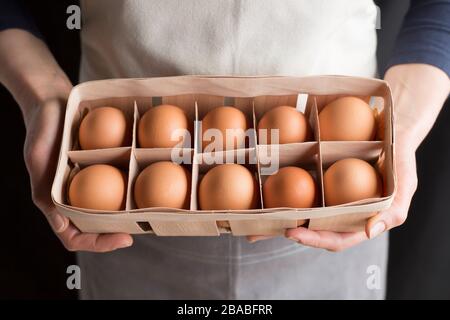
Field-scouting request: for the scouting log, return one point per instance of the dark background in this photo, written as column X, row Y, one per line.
column 33, row 261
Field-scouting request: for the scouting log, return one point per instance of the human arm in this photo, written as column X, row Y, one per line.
column 39, row 86
column 418, row 75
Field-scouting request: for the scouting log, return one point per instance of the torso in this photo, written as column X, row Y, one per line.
column 147, row 38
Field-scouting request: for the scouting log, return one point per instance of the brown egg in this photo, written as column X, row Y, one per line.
column 223, row 118
column 160, row 127
column 104, row 127
column 99, row 187
column 163, row 184
column 347, row 119
column 292, row 125
column 290, row 187
column 228, row 187
column 351, row 180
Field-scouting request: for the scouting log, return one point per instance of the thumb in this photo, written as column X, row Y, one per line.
column 398, row 212
column 57, row 221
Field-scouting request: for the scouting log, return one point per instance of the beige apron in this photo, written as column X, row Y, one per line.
column 145, row 38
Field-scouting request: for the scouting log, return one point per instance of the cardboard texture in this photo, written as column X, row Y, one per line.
column 196, row 95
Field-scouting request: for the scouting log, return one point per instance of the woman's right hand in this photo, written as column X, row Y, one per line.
column 44, row 130
column 41, row 89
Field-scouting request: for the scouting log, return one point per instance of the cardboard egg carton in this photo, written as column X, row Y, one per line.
column 196, row 95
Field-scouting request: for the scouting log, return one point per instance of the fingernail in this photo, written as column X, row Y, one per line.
column 57, row 222
column 293, row 239
column 252, row 240
column 126, row 244
column 378, row 228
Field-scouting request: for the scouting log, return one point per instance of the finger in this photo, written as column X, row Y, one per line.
column 74, row 240
column 392, row 217
column 388, row 219
column 332, row 241
column 398, row 212
column 57, row 221
column 253, row 239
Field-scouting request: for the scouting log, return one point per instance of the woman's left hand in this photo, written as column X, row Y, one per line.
column 419, row 91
